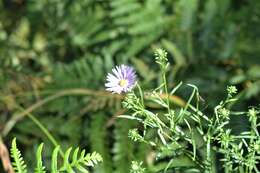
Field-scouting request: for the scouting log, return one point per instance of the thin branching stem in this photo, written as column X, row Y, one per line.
column 44, row 130
column 71, row 92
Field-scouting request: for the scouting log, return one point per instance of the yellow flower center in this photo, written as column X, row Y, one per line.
column 123, row 82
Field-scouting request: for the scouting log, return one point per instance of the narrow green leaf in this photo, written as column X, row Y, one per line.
column 54, row 163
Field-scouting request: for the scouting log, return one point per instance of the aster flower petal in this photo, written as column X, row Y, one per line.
column 122, row 79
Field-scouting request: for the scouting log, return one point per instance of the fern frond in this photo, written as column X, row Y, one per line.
column 188, row 8
column 79, row 74
column 139, row 20
column 79, row 161
column 66, row 162
column 54, row 158
column 18, row 163
column 99, row 142
column 92, row 159
column 123, row 148
column 40, row 168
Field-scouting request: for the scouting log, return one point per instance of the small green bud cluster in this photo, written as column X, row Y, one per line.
column 135, row 136
column 132, row 102
column 224, row 112
column 231, row 90
column 136, row 167
column 161, row 58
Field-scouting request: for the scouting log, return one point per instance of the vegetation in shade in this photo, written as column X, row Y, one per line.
column 54, row 60
column 101, row 144
column 123, row 149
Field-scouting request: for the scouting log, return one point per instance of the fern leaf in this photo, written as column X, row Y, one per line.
column 123, row 147
column 75, row 156
column 54, row 167
column 188, row 9
column 66, row 162
column 18, row 164
column 82, row 169
column 40, row 168
column 69, row 164
column 92, row 159
column 99, row 142
column 80, row 163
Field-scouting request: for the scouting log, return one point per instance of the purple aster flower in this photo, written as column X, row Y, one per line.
column 122, row 79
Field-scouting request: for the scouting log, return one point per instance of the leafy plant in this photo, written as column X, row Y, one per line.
column 79, row 160
column 189, row 140
column 54, row 56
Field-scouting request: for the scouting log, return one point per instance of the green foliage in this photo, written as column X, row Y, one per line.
column 123, row 148
column 40, row 168
column 66, row 47
column 79, row 161
column 99, row 139
column 18, row 164
column 188, row 139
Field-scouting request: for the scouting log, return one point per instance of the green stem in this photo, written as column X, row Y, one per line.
column 44, row 130
column 166, row 91
column 227, row 167
column 208, row 155
column 141, row 94
column 67, row 92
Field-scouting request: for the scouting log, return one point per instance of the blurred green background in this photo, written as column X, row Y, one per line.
column 62, row 50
